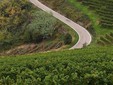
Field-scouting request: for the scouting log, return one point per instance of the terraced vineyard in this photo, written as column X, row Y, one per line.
column 86, row 66
column 103, row 8
column 106, row 40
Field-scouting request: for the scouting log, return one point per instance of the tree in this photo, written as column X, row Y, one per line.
column 41, row 27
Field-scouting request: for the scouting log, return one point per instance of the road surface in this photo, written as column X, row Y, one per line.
column 84, row 36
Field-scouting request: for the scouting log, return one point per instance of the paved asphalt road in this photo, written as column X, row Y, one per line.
column 84, row 35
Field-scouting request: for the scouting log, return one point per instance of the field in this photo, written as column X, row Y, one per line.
column 89, row 66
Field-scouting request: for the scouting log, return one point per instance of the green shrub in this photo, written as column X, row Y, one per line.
column 67, row 39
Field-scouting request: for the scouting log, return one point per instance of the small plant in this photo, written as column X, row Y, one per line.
column 67, row 39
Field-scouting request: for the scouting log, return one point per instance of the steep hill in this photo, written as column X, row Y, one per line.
column 94, row 15
column 91, row 65
column 24, row 26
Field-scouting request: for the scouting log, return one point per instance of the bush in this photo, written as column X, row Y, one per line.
column 32, row 36
column 41, row 27
column 67, row 39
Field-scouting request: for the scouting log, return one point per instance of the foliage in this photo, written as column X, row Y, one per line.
column 103, row 9
column 67, row 38
column 21, row 23
column 13, row 16
column 106, row 40
column 13, row 13
column 41, row 27
column 68, row 10
column 89, row 66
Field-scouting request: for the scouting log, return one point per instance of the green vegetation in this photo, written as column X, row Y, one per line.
column 65, row 8
column 67, row 39
column 41, row 27
column 13, row 19
column 22, row 23
column 106, row 40
column 89, row 66
column 94, row 15
column 103, row 9
column 100, row 14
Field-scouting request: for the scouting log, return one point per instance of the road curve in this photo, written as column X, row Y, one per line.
column 84, row 35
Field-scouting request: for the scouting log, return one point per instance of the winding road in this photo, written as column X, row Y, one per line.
column 84, row 35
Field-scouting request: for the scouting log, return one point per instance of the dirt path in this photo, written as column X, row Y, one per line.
column 84, row 36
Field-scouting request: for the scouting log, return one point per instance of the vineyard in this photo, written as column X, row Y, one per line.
column 106, row 40
column 89, row 66
column 103, row 8
column 92, row 65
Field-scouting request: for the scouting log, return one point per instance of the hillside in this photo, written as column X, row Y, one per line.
column 26, row 29
column 103, row 10
column 89, row 66
column 100, row 14
column 94, row 15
